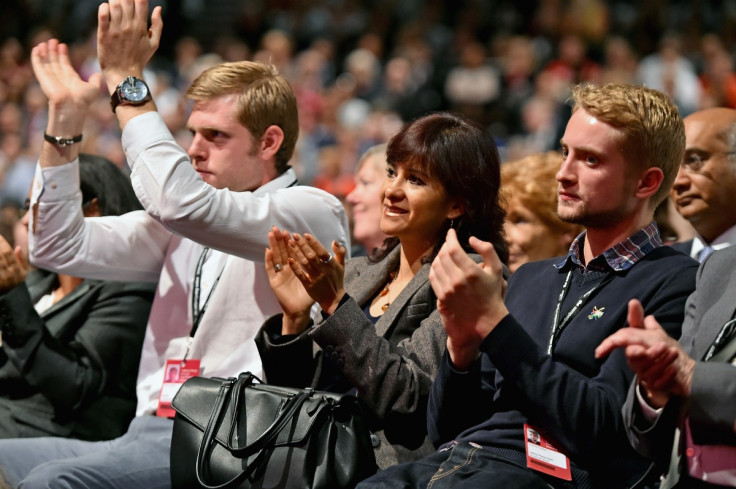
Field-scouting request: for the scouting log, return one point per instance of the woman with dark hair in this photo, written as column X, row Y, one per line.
column 380, row 335
column 70, row 346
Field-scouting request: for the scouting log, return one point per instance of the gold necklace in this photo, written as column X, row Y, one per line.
column 385, row 290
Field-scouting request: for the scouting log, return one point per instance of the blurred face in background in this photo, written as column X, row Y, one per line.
column 365, row 201
column 529, row 238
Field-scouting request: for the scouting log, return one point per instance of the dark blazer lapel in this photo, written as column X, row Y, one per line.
column 40, row 283
column 367, row 282
column 714, row 313
column 394, row 311
column 68, row 300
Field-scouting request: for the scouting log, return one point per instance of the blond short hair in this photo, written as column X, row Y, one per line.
column 652, row 127
column 265, row 99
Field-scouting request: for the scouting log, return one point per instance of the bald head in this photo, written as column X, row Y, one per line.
column 704, row 195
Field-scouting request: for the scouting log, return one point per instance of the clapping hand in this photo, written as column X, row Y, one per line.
column 69, row 96
column 13, row 269
column 470, row 296
column 294, row 300
column 661, row 365
column 125, row 43
column 320, row 273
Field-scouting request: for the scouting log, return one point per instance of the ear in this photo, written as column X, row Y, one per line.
column 456, row 210
column 270, row 142
column 92, row 208
column 649, row 182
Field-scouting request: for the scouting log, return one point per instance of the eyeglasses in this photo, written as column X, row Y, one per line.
column 694, row 162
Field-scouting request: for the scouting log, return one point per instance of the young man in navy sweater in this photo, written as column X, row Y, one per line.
column 520, row 399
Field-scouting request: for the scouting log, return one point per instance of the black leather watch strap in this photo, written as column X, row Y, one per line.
column 59, row 141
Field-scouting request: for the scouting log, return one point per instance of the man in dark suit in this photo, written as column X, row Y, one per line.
column 681, row 408
column 704, row 188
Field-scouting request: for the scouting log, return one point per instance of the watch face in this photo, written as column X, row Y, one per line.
column 134, row 90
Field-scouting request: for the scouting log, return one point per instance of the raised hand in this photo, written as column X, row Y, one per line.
column 469, row 296
column 125, row 43
column 658, row 360
column 69, row 96
column 12, row 270
column 292, row 296
column 321, row 274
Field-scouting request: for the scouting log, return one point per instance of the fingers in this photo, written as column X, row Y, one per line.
column 622, row 338
column 453, row 266
column 635, row 316
column 277, row 241
column 103, row 19
column 139, row 11
column 627, row 337
column 268, row 261
column 311, row 254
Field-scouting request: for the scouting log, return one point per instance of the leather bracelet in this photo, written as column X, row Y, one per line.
column 59, row 141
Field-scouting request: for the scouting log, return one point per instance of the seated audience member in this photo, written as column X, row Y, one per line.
column 221, row 196
column 70, row 347
column 533, row 229
column 365, row 201
column 381, row 335
column 704, row 189
column 528, row 361
column 681, row 407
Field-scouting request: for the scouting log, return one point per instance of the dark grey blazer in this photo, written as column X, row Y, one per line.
column 391, row 365
column 71, row 371
column 712, row 403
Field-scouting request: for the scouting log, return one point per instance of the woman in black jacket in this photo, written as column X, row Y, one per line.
column 70, row 346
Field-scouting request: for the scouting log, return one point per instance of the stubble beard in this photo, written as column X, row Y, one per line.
column 583, row 216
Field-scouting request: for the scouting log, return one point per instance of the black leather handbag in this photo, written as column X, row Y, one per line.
column 242, row 433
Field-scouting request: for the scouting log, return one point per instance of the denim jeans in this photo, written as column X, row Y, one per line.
column 463, row 466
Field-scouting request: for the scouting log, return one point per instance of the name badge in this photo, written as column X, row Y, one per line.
column 543, row 456
column 176, row 373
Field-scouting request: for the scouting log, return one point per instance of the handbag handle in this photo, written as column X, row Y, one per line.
column 290, row 407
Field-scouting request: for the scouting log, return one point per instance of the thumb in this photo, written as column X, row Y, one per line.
column 157, row 27
column 340, row 251
column 487, row 251
column 22, row 258
column 95, row 79
column 651, row 323
column 635, row 316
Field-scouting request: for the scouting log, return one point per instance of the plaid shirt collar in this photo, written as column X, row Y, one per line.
column 620, row 256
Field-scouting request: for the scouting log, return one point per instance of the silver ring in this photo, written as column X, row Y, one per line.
column 326, row 260
column 278, row 267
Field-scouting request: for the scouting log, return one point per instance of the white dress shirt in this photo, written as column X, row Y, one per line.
column 164, row 245
column 723, row 241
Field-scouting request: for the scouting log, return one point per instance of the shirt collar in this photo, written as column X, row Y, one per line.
column 723, row 241
column 620, row 256
column 286, row 179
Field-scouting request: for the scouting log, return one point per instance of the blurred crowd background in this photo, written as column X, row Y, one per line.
column 361, row 68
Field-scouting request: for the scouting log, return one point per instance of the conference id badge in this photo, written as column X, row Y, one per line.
column 543, row 457
column 175, row 374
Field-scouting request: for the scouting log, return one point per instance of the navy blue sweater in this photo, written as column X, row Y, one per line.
column 574, row 398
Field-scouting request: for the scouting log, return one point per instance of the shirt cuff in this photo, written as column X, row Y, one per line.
column 141, row 132
column 650, row 414
column 56, row 183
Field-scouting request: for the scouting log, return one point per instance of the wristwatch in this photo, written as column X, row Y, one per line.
column 131, row 91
